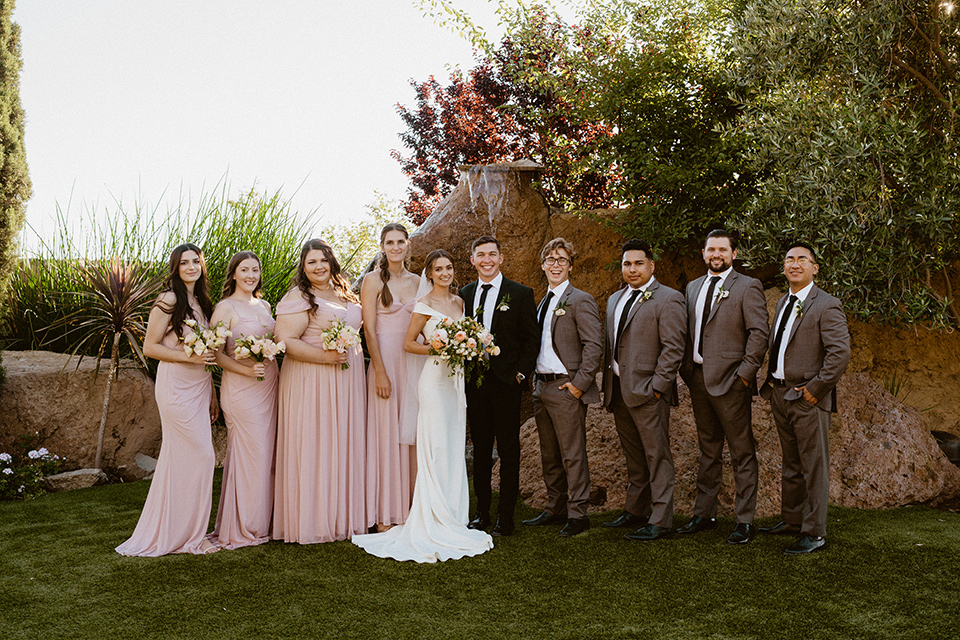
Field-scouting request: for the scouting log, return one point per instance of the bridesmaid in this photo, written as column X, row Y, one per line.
column 320, row 493
column 177, row 511
column 388, row 295
column 250, row 410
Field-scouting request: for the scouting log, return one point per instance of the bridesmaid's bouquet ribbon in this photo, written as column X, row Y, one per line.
column 258, row 349
column 465, row 344
column 199, row 339
column 340, row 337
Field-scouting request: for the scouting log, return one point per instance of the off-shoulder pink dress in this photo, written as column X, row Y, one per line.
column 176, row 513
column 320, row 482
column 391, row 466
column 250, row 410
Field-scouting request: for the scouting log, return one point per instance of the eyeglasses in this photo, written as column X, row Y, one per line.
column 802, row 261
column 552, row 261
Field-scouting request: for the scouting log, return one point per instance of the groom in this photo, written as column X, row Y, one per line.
column 507, row 310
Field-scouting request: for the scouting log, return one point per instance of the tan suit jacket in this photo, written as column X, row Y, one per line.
column 651, row 347
column 735, row 337
column 818, row 350
column 577, row 340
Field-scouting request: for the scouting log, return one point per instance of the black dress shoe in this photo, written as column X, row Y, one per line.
column 698, row 524
column 806, row 544
column 649, row 532
column 781, row 529
column 545, row 518
column 742, row 534
column 574, row 526
column 504, row 527
column 627, row 519
column 480, row 522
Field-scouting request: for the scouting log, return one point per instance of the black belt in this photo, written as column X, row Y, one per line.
column 551, row 377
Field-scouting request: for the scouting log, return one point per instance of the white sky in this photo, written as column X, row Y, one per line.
column 128, row 99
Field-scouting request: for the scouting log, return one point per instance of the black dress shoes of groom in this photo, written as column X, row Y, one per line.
column 480, row 522
column 781, row 529
column 742, row 534
column 698, row 524
column 627, row 519
column 545, row 518
column 806, row 544
column 574, row 526
column 503, row 527
column 649, row 532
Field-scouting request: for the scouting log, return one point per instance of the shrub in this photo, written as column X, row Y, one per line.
column 21, row 475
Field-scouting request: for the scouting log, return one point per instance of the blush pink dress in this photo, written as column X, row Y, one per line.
column 391, row 466
column 250, row 410
column 176, row 513
column 320, row 484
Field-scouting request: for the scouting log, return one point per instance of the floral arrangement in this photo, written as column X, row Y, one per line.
column 21, row 477
column 463, row 343
column 340, row 337
column 258, row 349
column 721, row 294
column 561, row 309
column 200, row 339
column 504, row 303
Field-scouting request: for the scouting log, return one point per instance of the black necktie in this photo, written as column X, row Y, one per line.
column 707, row 302
column 778, row 339
column 543, row 308
column 623, row 321
column 483, row 300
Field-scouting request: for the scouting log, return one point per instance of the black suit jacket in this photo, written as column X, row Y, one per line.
column 514, row 329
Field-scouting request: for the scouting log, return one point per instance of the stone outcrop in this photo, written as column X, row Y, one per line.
column 881, row 455
column 48, row 397
column 70, row 480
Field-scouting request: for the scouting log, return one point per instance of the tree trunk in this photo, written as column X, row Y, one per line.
column 114, row 364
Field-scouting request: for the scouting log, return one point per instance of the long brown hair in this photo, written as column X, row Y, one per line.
column 432, row 257
column 383, row 264
column 337, row 281
column 230, row 283
column 181, row 309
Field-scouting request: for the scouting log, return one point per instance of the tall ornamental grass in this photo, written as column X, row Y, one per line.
column 41, row 299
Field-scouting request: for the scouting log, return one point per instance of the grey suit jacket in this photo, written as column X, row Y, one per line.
column 818, row 350
column 736, row 335
column 577, row 340
column 651, row 347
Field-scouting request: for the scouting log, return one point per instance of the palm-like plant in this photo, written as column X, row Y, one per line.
column 115, row 304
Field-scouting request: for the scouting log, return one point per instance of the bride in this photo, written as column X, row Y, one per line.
column 436, row 528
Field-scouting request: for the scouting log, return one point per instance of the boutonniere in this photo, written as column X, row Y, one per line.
column 504, row 304
column 721, row 294
column 646, row 295
column 799, row 309
column 561, row 308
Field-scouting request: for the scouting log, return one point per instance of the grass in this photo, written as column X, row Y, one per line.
column 886, row 574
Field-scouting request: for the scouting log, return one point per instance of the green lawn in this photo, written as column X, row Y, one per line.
column 886, row 574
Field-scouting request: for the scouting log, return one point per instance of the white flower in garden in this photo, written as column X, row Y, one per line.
column 33, row 455
column 5, row 457
column 8, row 471
column 43, row 452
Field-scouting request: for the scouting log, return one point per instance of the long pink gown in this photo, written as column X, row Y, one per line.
column 320, row 482
column 391, row 466
column 250, row 410
column 176, row 513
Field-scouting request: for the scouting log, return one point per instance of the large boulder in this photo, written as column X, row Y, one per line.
column 881, row 455
column 48, row 397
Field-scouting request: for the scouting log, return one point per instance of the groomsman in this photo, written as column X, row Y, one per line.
column 645, row 337
column 564, row 384
column 809, row 351
column 507, row 310
column 726, row 341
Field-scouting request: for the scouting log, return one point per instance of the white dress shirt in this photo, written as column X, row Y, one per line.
column 621, row 303
column 491, row 302
column 698, row 308
column 548, row 361
column 801, row 296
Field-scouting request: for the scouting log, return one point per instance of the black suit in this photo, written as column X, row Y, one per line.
column 493, row 408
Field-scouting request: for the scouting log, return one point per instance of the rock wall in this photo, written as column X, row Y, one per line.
column 48, row 396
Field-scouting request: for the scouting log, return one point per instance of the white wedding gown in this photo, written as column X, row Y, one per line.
column 436, row 528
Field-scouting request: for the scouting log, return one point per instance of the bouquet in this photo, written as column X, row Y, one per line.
column 463, row 344
column 340, row 337
column 258, row 349
column 199, row 339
